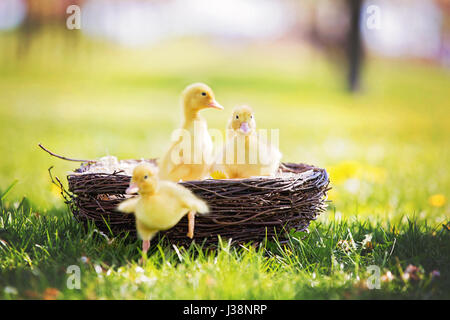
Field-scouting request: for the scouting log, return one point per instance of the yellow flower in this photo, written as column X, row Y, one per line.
column 218, row 175
column 437, row 200
column 55, row 190
column 395, row 231
column 344, row 171
column 332, row 195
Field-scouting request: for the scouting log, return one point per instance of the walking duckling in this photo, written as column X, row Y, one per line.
column 160, row 205
column 190, row 156
column 246, row 154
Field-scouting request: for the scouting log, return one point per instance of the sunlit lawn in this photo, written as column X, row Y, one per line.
column 386, row 149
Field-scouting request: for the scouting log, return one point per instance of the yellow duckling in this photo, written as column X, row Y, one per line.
column 190, row 156
column 160, row 205
column 246, row 154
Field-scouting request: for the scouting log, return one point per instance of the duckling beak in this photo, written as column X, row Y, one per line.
column 245, row 128
column 132, row 189
column 214, row 104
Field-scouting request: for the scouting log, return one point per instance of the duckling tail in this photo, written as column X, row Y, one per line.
column 199, row 206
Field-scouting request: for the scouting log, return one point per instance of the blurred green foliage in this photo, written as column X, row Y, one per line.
column 386, row 149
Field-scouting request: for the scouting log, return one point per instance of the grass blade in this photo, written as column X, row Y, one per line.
column 8, row 190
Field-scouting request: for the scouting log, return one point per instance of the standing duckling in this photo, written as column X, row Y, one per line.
column 245, row 153
column 160, row 205
column 190, row 157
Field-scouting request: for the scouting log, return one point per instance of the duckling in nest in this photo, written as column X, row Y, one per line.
column 190, row 156
column 246, row 154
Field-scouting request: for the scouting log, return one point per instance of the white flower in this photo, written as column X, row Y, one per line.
column 144, row 279
column 366, row 242
column 388, row 277
column 10, row 290
column 139, row 270
column 352, row 185
column 98, row 269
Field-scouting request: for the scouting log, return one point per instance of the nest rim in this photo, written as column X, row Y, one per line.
column 243, row 210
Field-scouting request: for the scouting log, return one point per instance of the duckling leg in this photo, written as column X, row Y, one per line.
column 145, row 234
column 145, row 246
column 191, row 223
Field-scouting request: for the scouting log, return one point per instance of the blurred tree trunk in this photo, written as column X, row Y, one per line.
column 47, row 16
column 354, row 45
column 29, row 27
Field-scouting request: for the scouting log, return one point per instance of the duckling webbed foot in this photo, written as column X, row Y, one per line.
column 191, row 223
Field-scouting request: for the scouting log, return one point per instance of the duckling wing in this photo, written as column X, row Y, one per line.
column 167, row 165
column 180, row 161
column 184, row 196
column 170, row 170
column 129, row 205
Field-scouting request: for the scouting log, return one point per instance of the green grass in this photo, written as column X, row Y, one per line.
column 386, row 150
column 37, row 250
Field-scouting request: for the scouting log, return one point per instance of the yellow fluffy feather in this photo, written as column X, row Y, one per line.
column 177, row 165
column 245, row 153
column 160, row 205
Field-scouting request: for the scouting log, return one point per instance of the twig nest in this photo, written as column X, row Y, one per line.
column 241, row 209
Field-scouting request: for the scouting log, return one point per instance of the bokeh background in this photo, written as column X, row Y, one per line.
column 367, row 99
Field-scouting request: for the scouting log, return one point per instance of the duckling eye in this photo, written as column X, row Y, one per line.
column 145, row 177
column 204, row 94
column 237, row 117
column 251, row 117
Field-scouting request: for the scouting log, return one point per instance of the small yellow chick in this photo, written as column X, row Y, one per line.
column 160, row 205
column 245, row 153
column 190, row 157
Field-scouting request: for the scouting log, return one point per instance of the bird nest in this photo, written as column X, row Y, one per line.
column 244, row 210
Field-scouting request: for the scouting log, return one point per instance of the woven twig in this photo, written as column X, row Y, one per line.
column 242, row 209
